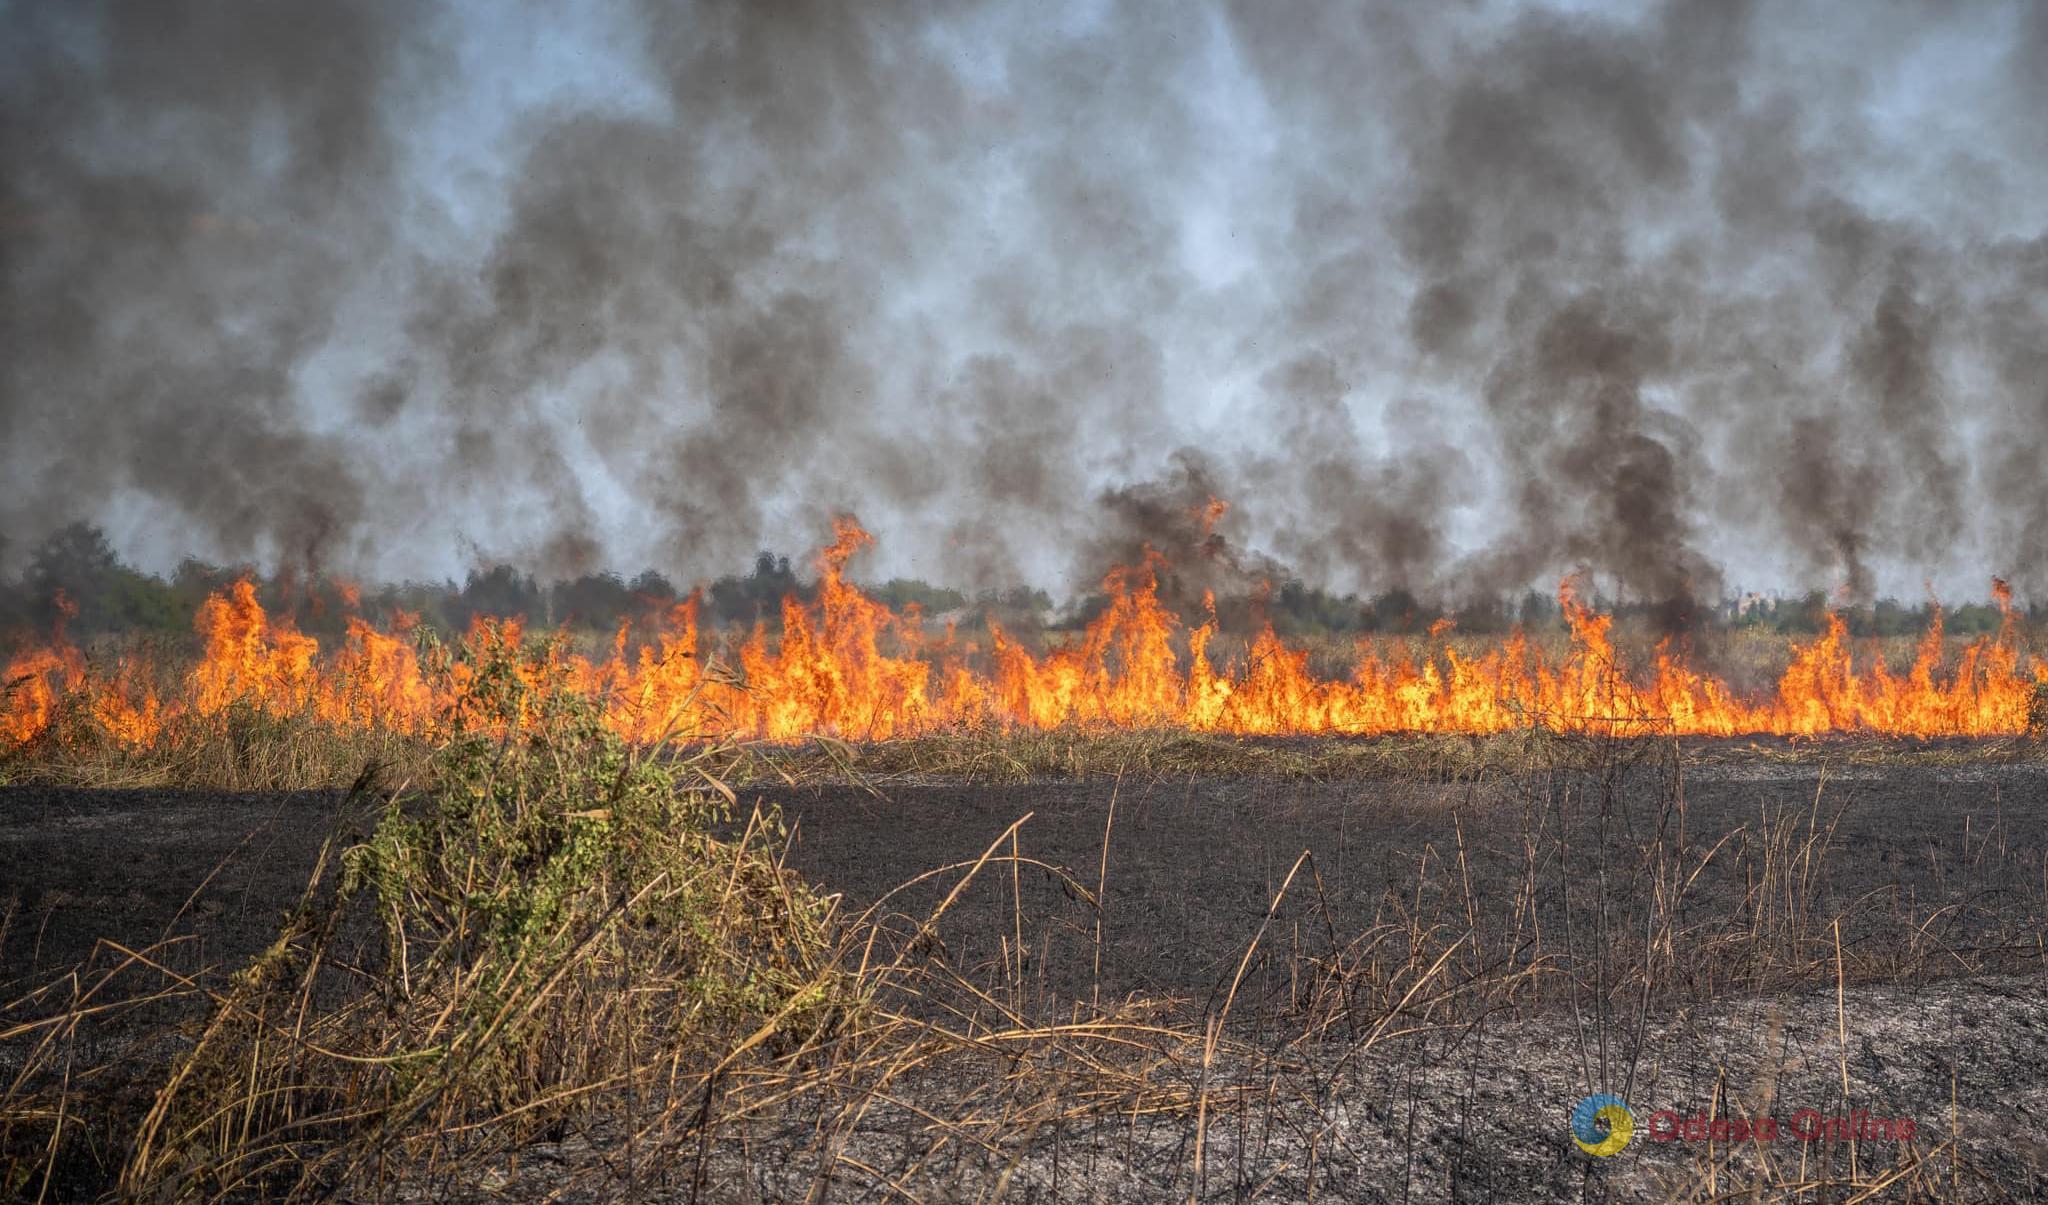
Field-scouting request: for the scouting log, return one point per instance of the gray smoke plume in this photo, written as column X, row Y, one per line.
column 185, row 188
column 1453, row 299
column 1662, row 254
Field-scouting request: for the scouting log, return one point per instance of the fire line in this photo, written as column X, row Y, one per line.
column 849, row 666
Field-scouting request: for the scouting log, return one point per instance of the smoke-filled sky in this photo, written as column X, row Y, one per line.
column 1450, row 297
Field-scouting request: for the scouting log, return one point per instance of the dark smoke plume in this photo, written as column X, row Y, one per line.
column 1444, row 299
column 185, row 188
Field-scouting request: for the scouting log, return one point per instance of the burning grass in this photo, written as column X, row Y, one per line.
column 846, row 667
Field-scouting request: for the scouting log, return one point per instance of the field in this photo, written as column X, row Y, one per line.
column 1080, row 967
column 722, row 601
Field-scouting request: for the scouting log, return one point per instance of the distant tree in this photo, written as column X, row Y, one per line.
column 1021, row 610
column 1397, row 611
column 653, row 586
column 144, row 601
column 78, row 565
column 434, row 604
column 500, row 592
column 1537, row 610
column 1974, row 619
column 758, row 596
column 898, row 593
column 70, row 571
column 1016, row 598
column 1293, row 609
column 1487, row 616
column 597, row 600
column 192, row 582
column 1806, row 617
column 1889, row 618
column 1298, row 609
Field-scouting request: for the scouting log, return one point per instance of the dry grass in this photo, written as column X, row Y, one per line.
column 242, row 748
column 998, row 755
column 1021, row 755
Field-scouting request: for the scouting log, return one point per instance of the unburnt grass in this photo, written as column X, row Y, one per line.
column 1077, row 965
column 995, row 755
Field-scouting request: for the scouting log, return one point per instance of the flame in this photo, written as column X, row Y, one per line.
column 846, row 665
column 39, row 679
column 250, row 659
column 34, row 681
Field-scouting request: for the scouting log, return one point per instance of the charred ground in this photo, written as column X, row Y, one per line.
column 1287, row 907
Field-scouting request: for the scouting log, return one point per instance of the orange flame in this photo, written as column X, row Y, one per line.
column 847, row 665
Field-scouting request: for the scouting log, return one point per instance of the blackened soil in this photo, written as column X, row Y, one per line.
column 1939, row 874
column 1191, row 867
column 139, row 866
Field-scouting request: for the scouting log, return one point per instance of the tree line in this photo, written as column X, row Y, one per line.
column 74, row 578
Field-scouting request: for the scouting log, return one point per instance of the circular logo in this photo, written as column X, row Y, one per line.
column 1602, row 1124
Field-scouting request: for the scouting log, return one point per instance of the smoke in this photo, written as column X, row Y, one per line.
column 1373, row 520
column 184, row 188
column 1181, row 516
column 1450, row 299
column 1676, row 260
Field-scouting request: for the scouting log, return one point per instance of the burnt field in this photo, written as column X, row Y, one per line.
column 1389, row 986
column 1923, row 863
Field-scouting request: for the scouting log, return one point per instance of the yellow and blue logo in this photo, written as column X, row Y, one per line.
column 1602, row 1124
